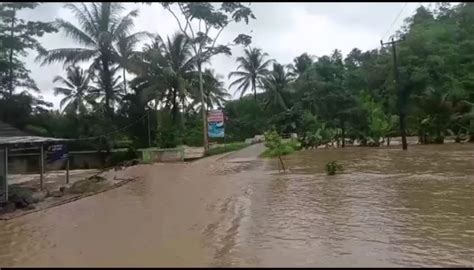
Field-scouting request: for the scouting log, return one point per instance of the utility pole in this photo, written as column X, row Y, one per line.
column 401, row 101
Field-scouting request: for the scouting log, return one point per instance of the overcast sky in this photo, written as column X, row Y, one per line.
column 283, row 30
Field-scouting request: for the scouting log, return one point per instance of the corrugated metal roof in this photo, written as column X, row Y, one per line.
column 8, row 131
column 12, row 136
column 29, row 140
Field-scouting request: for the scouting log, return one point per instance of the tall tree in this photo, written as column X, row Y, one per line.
column 204, row 44
column 100, row 26
column 253, row 67
column 276, row 85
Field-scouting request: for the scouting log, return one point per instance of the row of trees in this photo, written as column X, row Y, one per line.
column 332, row 97
column 158, row 91
column 168, row 76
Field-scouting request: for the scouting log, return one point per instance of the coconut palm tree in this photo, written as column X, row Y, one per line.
column 165, row 71
column 76, row 89
column 214, row 92
column 126, row 53
column 100, row 26
column 276, row 85
column 117, row 93
column 254, row 68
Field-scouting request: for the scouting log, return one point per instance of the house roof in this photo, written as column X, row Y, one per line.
column 8, row 131
column 12, row 136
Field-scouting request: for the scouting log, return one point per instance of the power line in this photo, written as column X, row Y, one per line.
column 394, row 21
column 113, row 132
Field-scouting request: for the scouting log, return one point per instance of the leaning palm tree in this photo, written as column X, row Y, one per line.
column 76, row 90
column 100, row 26
column 254, row 68
column 276, row 85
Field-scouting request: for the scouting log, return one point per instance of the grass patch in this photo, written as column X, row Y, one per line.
column 226, row 148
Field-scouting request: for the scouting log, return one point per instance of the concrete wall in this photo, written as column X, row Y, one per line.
column 161, row 155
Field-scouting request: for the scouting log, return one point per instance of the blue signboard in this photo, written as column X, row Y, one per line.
column 215, row 124
column 215, row 129
column 57, row 152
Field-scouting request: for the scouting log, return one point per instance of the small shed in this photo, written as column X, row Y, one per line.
column 10, row 138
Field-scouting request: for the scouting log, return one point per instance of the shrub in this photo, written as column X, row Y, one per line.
column 332, row 167
column 276, row 146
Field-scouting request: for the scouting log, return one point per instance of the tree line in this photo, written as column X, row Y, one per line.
column 332, row 97
column 163, row 89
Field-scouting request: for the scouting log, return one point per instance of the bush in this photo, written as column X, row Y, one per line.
column 276, row 146
column 332, row 167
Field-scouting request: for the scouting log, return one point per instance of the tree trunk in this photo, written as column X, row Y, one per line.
column 124, row 82
column 175, row 107
column 203, row 109
column 402, row 131
column 343, row 135
column 107, row 85
column 11, row 77
column 254, row 89
column 282, row 164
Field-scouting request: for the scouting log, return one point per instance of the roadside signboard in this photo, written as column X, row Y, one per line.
column 215, row 124
column 57, row 152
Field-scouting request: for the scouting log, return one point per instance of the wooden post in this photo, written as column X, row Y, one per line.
column 67, row 170
column 5, row 172
column 41, row 167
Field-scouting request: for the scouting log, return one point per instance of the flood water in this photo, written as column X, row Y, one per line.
column 387, row 208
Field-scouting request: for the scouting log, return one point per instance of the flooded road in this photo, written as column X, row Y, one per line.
column 387, row 208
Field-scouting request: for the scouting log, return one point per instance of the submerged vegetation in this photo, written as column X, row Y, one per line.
column 126, row 96
column 276, row 147
column 332, row 167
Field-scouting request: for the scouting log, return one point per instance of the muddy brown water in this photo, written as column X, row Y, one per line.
column 387, row 208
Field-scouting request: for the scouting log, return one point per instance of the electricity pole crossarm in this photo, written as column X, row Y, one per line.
column 401, row 100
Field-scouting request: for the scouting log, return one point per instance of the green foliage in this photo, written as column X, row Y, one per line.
column 17, row 37
column 379, row 124
column 332, row 167
column 276, row 147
